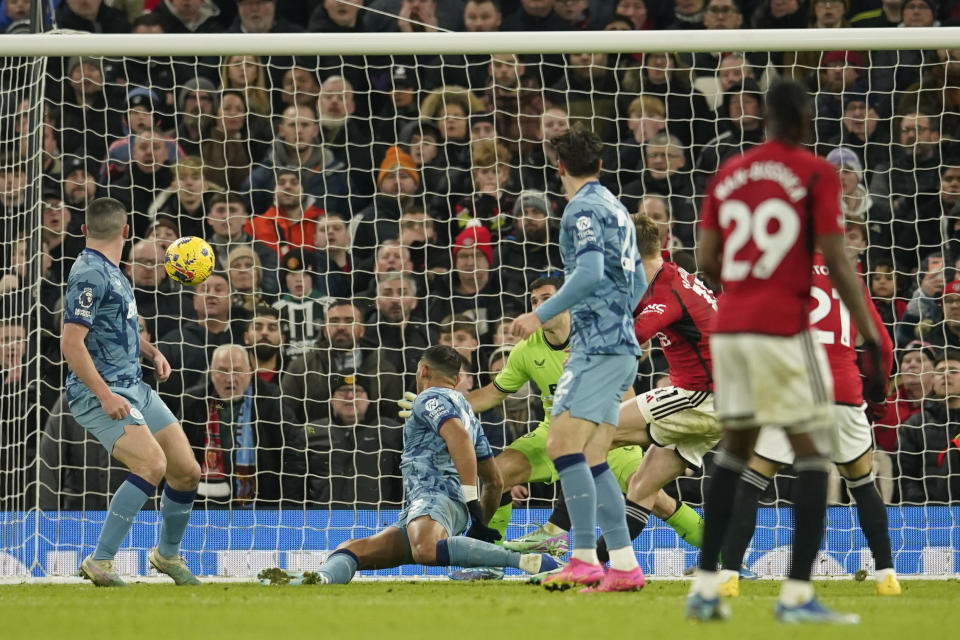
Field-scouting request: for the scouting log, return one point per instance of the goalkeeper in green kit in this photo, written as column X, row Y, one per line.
column 540, row 358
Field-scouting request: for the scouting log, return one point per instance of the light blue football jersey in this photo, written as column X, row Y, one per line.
column 426, row 463
column 602, row 323
column 100, row 298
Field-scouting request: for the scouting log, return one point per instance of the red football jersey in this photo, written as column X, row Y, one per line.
column 681, row 310
column 769, row 205
column 831, row 324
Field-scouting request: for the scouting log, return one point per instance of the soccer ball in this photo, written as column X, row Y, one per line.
column 189, row 260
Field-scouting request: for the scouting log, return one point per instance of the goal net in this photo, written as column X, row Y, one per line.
column 387, row 194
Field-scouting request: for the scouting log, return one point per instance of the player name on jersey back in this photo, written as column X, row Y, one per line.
column 769, row 205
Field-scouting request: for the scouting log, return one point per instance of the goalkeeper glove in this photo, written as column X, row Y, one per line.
column 406, row 404
column 478, row 530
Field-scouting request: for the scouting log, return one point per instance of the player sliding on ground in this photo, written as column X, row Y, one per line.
column 540, row 358
column 102, row 344
column 852, row 448
column 604, row 283
column 762, row 214
column 444, row 450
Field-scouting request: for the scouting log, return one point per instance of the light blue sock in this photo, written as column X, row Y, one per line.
column 611, row 509
column 175, row 508
column 339, row 567
column 580, row 495
column 467, row 552
column 123, row 510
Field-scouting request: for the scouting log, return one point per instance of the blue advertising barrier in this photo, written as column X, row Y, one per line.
column 926, row 541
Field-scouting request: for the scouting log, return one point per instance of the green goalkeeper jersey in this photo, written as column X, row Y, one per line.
column 538, row 360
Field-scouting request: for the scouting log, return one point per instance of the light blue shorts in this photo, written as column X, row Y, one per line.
column 592, row 386
column 451, row 514
column 146, row 407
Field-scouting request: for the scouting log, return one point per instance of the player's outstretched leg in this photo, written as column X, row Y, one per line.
column 137, row 449
column 183, row 475
column 872, row 514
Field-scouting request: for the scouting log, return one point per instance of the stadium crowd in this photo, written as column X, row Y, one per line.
column 364, row 208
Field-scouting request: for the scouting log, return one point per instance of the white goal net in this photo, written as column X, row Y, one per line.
column 387, row 194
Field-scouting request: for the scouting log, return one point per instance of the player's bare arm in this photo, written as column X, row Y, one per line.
column 160, row 364
column 489, row 474
column 78, row 359
column 464, row 458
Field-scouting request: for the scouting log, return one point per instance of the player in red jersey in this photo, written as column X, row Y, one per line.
column 762, row 214
column 852, row 448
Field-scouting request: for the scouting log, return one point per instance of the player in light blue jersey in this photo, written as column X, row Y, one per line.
column 604, row 283
column 101, row 343
column 444, row 450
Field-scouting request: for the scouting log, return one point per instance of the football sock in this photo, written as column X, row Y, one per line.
column 796, row 592
column 461, row 551
column 751, row 487
column 718, row 507
column 873, row 519
column 175, row 508
column 123, row 510
column 686, row 522
column 612, row 518
column 637, row 518
column 501, row 517
column 339, row 567
column 580, row 495
column 559, row 517
column 809, row 513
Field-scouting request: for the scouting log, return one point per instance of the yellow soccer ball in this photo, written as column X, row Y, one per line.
column 189, row 260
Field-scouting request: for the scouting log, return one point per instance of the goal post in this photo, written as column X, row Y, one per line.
column 426, row 154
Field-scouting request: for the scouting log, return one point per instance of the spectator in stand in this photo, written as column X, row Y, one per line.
column 839, row 72
column 196, row 113
column 936, row 92
column 227, row 215
column 472, row 286
column 149, row 173
column 345, row 134
column 889, row 14
column 588, row 92
column 687, row 14
column 418, row 235
column 245, row 274
column 17, row 415
column 250, row 454
column 232, row 147
column 913, row 384
column 301, row 304
column 333, row 259
column 399, row 112
column 185, row 199
column 688, row 115
column 79, row 188
column 261, row 16
column 86, row 126
column 13, row 182
column 445, row 14
column 344, row 345
column 894, row 71
column 665, row 174
column 923, row 310
column 292, row 222
column 336, row 16
column 930, row 228
column 539, row 165
column 780, row 14
column 861, row 131
column 857, row 202
column 397, row 183
column 623, row 163
column 723, row 15
column 449, row 110
column 94, row 16
column 824, row 14
column 482, row 15
column 534, row 15
column 494, row 187
column 575, row 14
column 930, row 441
column 299, row 86
column 141, row 116
column 62, row 246
column 460, row 332
column 946, row 334
column 529, row 252
column 164, row 231
column 390, row 256
column 915, row 168
column 742, row 108
column 190, row 347
column 398, row 323
column 160, row 304
column 248, row 75
column 265, row 341
column 421, row 140
column 354, row 455
column 188, row 16
column 657, row 209
column 298, row 145
column 885, row 287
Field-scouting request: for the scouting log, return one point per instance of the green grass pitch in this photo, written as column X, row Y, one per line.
column 452, row 611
